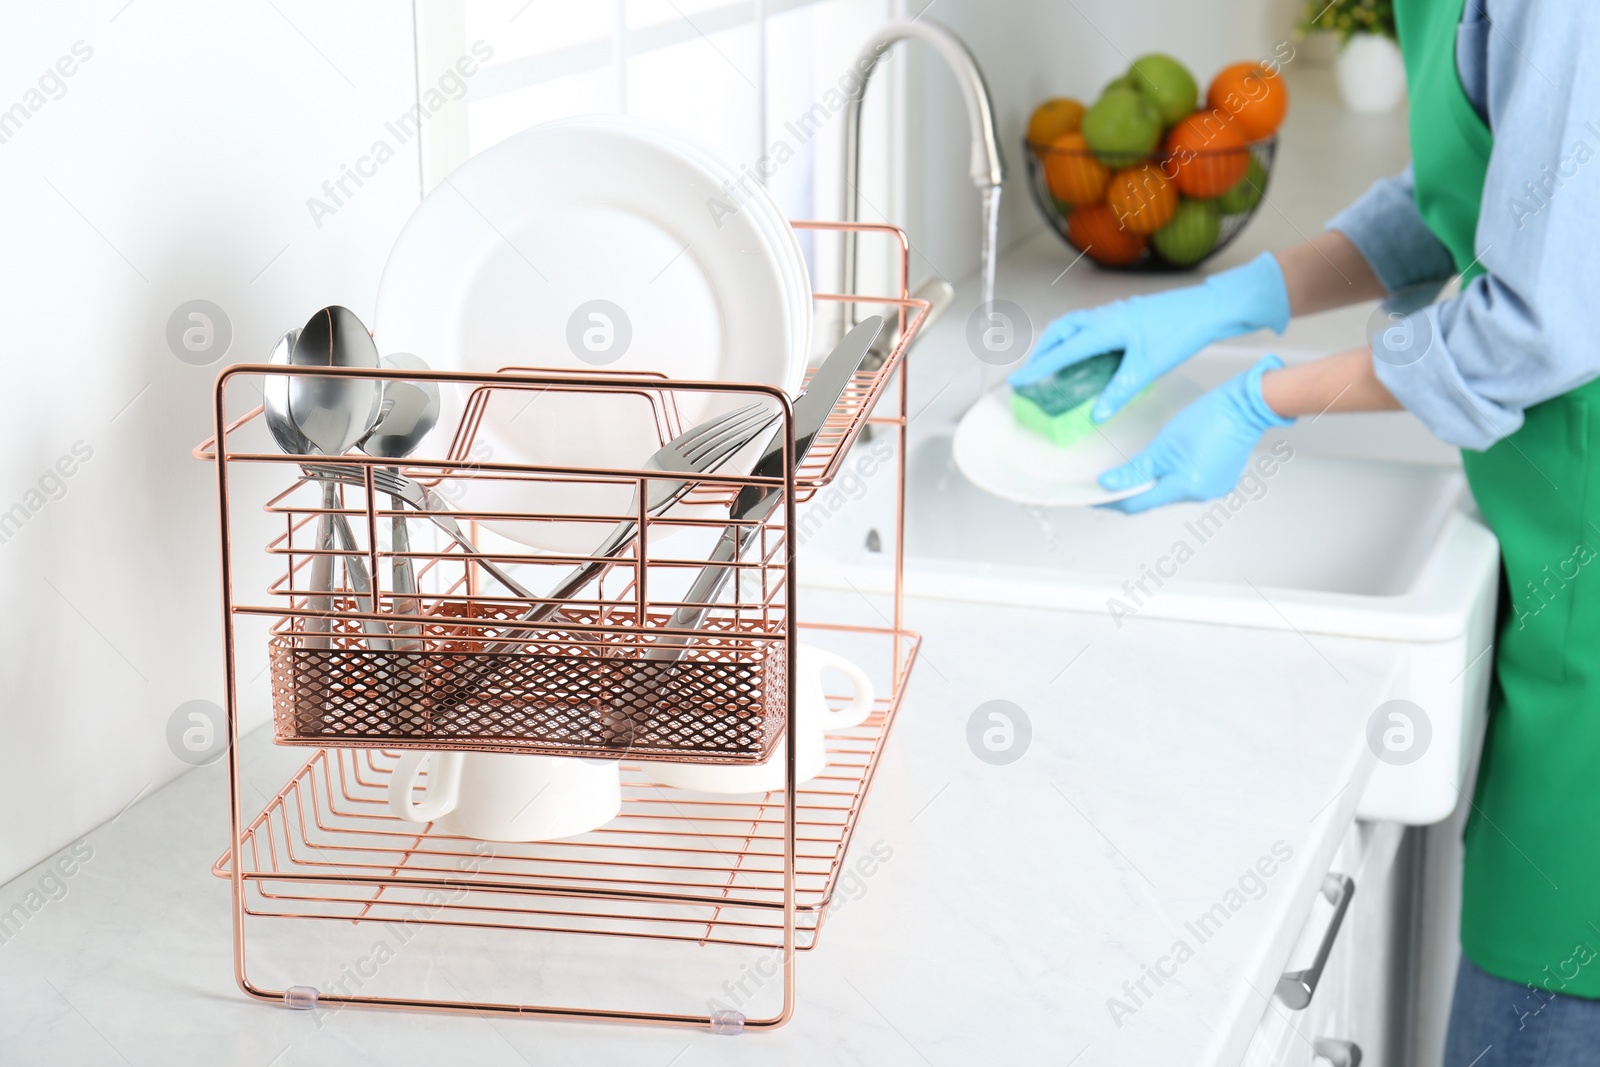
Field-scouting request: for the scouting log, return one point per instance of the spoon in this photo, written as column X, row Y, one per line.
column 275, row 401
column 413, row 410
column 333, row 414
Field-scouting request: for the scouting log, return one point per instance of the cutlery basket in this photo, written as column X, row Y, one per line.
column 448, row 658
column 590, row 691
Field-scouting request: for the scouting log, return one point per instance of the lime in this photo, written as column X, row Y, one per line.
column 1191, row 233
column 1167, row 83
column 1247, row 194
column 1121, row 81
column 1122, row 127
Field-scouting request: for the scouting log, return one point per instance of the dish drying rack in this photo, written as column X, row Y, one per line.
column 757, row 871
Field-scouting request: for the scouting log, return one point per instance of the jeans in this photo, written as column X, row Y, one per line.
column 1499, row 1023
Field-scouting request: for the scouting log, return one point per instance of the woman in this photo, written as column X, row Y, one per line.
column 1505, row 120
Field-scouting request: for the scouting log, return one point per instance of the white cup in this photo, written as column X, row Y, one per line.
column 499, row 796
column 813, row 719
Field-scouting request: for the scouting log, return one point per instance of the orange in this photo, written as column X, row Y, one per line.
column 1206, row 155
column 1094, row 230
column 1073, row 174
column 1142, row 198
column 1254, row 95
column 1053, row 118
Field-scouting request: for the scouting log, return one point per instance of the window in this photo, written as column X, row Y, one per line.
column 744, row 77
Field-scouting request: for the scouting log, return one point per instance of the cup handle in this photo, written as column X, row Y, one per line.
column 860, row 706
column 444, row 789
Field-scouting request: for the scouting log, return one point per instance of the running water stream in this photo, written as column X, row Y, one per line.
column 991, row 255
column 991, row 239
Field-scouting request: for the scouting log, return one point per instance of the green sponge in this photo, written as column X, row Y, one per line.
column 1057, row 408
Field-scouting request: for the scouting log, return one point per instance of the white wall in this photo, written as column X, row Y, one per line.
column 175, row 165
column 1031, row 50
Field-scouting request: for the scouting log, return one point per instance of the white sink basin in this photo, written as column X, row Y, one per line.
column 1332, row 546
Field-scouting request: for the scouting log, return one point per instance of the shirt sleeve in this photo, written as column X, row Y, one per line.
column 1521, row 333
column 1387, row 229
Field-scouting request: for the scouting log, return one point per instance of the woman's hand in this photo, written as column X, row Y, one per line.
column 1158, row 332
column 1201, row 453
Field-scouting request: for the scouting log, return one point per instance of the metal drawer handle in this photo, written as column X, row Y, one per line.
column 1338, row 1053
column 1296, row 988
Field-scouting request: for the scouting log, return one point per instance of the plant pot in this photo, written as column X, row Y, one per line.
column 1370, row 72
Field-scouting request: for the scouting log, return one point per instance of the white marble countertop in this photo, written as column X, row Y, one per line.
column 1166, row 759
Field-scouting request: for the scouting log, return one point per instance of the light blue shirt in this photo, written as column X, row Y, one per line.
column 1528, row 329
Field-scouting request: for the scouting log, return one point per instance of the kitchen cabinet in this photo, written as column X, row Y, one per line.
column 1358, row 1012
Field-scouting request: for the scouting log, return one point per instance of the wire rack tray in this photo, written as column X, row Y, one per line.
column 674, row 865
column 461, row 656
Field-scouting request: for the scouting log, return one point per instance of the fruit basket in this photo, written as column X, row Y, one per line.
column 1153, row 175
column 1198, row 227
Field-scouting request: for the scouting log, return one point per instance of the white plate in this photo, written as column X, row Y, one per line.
column 744, row 193
column 1005, row 458
column 491, row 267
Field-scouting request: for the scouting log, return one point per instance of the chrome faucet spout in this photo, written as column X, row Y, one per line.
column 987, row 165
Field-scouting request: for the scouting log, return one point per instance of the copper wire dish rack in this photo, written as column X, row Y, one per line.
column 756, row 871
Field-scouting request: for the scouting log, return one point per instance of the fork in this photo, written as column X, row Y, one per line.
column 700, row 449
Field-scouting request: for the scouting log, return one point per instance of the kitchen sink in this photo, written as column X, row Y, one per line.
column 1354, row 547
column 1350, row 547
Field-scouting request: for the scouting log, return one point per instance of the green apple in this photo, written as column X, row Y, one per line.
column 1122, row 127
column 1247, row 194
column 1191, row 233
column 1167, row 83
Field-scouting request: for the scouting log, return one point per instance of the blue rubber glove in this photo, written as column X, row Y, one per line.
column 1158, row 332
column 1201, row 453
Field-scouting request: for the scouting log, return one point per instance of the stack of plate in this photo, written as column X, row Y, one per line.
column 584, row 243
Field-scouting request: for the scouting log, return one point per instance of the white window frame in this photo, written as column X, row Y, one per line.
column 440, row 33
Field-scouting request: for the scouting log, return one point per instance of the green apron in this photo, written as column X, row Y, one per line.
column 1531, row 892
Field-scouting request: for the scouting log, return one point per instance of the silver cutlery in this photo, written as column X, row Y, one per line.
column 696, row 451
column 756, row 502
column 332, row 416
column 275, row 403
column 413, row 410
column 334, row 413
column 653, row 671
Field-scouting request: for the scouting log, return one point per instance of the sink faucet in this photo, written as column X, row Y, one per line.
column 987, row 167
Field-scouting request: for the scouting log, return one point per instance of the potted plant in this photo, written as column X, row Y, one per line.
column 1369, row 70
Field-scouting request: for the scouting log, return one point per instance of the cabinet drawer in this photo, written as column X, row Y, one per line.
column 1345, row 1006
column 1287, row 1038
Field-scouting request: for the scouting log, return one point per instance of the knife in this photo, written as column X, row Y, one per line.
column 756, row 502
column 811, row 411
